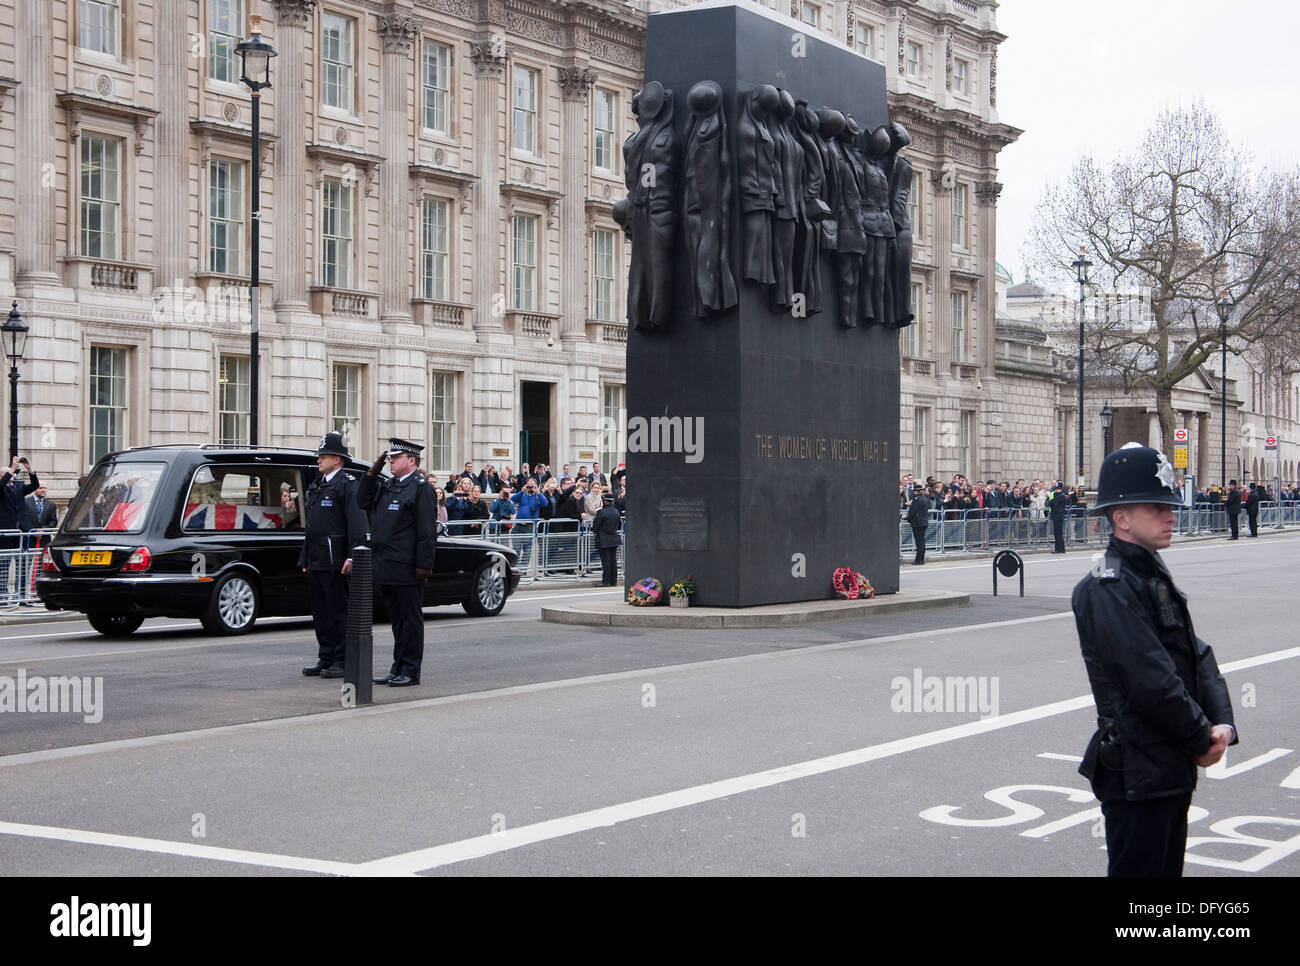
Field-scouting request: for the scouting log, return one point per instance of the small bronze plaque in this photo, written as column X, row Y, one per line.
column 683, row 524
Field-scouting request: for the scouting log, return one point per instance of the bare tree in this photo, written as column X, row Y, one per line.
column 1186, row 221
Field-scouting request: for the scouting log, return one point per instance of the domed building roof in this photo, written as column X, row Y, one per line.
column 1027, row 289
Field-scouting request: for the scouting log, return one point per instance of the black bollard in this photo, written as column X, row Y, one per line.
column 1008, row 563
column 358, row 659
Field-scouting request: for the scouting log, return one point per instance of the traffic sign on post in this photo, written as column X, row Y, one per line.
column 1181, row 436
column 1270, row 442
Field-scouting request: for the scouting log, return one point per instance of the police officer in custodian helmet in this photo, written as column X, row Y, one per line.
column 403, row 532
column 334, row 525
column 1162, row 706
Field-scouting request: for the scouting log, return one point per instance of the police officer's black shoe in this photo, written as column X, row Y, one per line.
column 384, row 680
column 315, row 669
column 332, row 672
column 401, row 681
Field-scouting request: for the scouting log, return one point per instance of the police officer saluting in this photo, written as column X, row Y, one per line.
column 403, row 531
column 1162, row 706
column 334, row 525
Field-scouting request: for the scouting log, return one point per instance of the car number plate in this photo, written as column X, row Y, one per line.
column 91, row 558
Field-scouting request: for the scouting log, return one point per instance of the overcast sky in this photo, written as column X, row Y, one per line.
column 1090, row 77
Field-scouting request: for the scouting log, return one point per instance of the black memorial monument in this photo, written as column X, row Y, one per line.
column 762, row 358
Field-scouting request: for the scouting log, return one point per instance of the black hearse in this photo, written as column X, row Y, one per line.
column 213, row 532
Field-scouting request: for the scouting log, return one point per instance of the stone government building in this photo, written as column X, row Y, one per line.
column 438, row 256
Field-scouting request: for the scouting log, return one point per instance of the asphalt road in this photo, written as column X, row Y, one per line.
column 544, row 749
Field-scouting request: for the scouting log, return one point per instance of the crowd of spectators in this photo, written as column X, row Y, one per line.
column 1031, row 498
column 959, row 498
column 1288, row 493
column 534, row 493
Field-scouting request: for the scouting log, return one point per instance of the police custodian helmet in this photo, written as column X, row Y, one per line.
column 1135, row 474
column 332, row 444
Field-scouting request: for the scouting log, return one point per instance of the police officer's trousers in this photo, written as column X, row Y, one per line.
column 1146, row 838
column 402, row 601
column 328, row 593
column 608, row 566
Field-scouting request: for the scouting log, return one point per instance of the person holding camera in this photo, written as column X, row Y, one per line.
column 14, row 514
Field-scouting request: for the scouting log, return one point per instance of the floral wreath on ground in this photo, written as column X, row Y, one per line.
column 646, row 592
column 850, row 585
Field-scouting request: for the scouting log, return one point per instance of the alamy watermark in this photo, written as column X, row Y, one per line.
column 58, row 695
column 667, row 434
column 74, row 919
column 950, row 695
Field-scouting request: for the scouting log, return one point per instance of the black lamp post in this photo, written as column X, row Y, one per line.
column 255, row 57
column 1106, row 417
column 14, row 340
column 1081, row 266
column 1225, row 309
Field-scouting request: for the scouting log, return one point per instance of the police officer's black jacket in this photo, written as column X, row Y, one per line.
column 1156, row 684
column 403, row 526
column 918, row 514
column 1057, row 504
column 1234, row 500
column 606, row 526
column 334, row 522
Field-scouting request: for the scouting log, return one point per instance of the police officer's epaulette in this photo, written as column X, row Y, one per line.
column 1107, row 567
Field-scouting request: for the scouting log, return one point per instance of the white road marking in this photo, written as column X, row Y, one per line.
column 408, row 863
column 1057, row 757
column 1221, row 769
column 187, row 849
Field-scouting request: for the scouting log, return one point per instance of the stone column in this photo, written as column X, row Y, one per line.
column 397, row 32
column 1153, row 429
column 942, row 249
column 35, row 161
column 489, row 294
column 575, row 244
column 294, row 18
column 171, row 143
column 986, row 197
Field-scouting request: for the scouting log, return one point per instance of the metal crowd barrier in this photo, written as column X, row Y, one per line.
column 950, row 531
column 548, row 549
column 20, row 561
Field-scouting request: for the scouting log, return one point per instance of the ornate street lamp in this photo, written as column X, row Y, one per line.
column 255, row 57
column 1106, row 417
column 15, row 340
column 1081, row 266
column 1225, row 310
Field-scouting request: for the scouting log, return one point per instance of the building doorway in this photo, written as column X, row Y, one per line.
column 535, row 422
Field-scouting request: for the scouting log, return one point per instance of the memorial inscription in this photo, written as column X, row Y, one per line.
column 683, row 524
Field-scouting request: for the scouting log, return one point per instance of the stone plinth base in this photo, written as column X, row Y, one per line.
column 619, row 614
